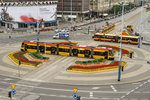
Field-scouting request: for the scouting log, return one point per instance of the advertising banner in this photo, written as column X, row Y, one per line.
column 28, row 13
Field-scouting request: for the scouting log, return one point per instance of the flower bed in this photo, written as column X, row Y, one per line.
column 37, row 57
column 95, row 62
column 116, row 48
column 19, row 56
column 92, row 69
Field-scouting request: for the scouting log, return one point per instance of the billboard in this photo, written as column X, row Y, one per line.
column 28, row 13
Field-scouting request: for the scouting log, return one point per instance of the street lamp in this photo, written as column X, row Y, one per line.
column 37, row 28
column 120, row 57
column 140, row 26
column 71, row 14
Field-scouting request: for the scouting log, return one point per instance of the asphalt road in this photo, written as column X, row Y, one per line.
column 47, row 91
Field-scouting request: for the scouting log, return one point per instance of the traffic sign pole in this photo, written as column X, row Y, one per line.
column 19, row 63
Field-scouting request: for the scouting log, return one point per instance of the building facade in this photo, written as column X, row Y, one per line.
column 77, row 9
column 102, row 6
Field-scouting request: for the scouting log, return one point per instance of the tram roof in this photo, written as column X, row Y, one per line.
column 75, row 46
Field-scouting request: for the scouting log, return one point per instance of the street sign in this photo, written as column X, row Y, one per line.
column 75, row 90
column 13, row 92
column 75, row 96
column 13, row 86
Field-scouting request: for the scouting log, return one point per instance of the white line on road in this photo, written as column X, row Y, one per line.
column 95, row 88
column 113, row 88
column 70, row 90
column 91, row 94
column 7, row 79
column 52, row 95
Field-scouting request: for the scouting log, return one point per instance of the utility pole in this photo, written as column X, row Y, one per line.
column 109, row 6
column 62, row 9
column 37, row 28
column 19, row 63
column 140, row 26
column 71, row 13
column 120, row 57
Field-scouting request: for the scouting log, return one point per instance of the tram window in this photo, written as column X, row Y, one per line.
column 134, row 40
column 48, row 48
column 102, row 36
column 22, row 45
column 87, row 52
column 97, row 36
column 33, row 47
column 101, row 31
column 81, row 51
column 110, row 37
column 99, row 53
column 28, row 46
column 123, row 38
column 63, row 50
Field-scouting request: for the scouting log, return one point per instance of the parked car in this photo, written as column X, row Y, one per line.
column 1, row 31
column 58, row 30
column 146, row 42
column 61, row 35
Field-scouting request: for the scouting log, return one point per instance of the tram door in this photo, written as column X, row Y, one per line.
column 26, row 47
column 42, row 49
column 116, row 39
column 106, row 55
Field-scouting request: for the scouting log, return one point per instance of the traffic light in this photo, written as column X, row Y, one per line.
column 78, row 98
column 9, row 94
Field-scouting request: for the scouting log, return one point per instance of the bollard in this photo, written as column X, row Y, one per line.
column 9, row 37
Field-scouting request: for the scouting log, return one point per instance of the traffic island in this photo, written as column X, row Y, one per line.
column 20, row 56
column 93, row 67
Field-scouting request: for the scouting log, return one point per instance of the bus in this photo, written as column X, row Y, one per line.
column 68, row 50
column 116, row 38
column 107, row 28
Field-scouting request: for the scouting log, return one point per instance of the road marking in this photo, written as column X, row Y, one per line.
column 136, row 88
column 141, row 85
column 52, row 95
column 7, row 79
column 122, row 97
column 55, row 89
column 62, row 96
column 13, row 98
column 91, row 94
column 144, row 82
column 95, row 88
column 113, row 88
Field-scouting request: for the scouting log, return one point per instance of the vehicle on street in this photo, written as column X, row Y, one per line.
column 58, row 30
column 107, row 28
column 116, row 38
column 61, row 35
column 146, row 42
column 68, row 50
